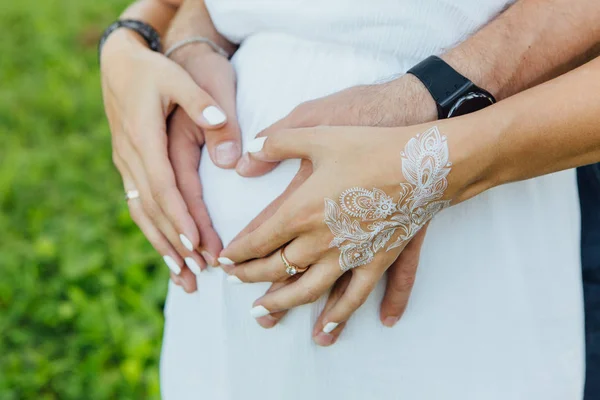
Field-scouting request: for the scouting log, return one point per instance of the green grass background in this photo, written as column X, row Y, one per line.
column 81, row 291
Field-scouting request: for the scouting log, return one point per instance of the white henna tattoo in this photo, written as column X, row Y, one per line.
column 425, row 167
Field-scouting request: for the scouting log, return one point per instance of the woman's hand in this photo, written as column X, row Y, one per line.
column 404, row 101
column 140, row 89
column 371, row 191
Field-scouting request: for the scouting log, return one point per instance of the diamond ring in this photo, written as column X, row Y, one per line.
column 290, row 268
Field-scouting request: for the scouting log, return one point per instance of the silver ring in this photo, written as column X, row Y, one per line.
column 132, row 194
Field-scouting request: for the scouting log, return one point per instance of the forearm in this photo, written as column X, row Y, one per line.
column 156, row 13
column 550, row 128
column 531, row 42
column 193, row 19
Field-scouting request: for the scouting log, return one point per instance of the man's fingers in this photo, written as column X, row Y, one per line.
column 327, row 339
column 400, row 281
column 180, row 88
column 224, row 144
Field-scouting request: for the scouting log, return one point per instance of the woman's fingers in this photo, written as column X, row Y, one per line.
column 182, row 242
column 270, row 320
column 308, row 288
column 185, row 139
column 285, row 144
column 301, row 252
column 158, row 172
column 361, row 285
column 251, row 166
column 400, row 280
column 323, row 338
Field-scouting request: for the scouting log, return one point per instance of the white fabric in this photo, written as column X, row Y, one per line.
column 496, row 312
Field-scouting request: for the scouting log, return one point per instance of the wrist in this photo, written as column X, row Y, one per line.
column 481, row 71
column 411, row 102
column 192, row 53
column 120, row 41
column 473, row 148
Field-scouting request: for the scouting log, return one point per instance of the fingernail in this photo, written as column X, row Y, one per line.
column 390, row 321
column 259, row 311
column 213, row 115
column 186, row 242
column 193, row 265
column 225, row 261
column 256, row 145
column 234, row 279
column 176, row 269
column 208, row 257
column 330, row 327
column 227, row 153
column 243, row 163
column 324, row 339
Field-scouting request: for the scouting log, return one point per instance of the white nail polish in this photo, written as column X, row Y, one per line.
column 225, row 261
column 256, row 145
column 330, row 327
column 213, row 115
column 259, row 311
column 186, row 242
column 234, row 279
column 192, row 265
column 176, row 269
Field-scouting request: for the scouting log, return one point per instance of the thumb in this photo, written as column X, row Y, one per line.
column 198, row 105
column 249, row 166
column 284, row 144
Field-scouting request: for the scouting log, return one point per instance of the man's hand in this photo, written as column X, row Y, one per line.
column 216, row 76
column 403, row 101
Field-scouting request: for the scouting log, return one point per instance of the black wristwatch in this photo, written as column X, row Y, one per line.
column 454, row 94
column 146, row 31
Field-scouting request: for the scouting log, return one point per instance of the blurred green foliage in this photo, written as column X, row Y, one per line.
column 81, row 291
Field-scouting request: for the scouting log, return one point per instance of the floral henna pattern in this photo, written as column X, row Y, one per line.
column 425, row 167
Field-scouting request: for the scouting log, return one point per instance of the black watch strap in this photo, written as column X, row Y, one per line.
column 445, row 84
column 146, row 31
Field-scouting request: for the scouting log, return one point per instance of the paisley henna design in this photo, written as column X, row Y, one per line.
column 425, row 167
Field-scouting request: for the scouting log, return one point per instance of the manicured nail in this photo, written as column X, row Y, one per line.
column 225, row 261
column 193, row 265
column 208, row 257
column 234, row 279
column 330, row 327
column 256, row 145
column 324, row 339
column 186, row 242
column 390, row 321
column 259, row 311
column 227, row 153
column 213, row 115
column 176, row 269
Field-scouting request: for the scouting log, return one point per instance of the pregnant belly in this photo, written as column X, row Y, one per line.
column 276, row 73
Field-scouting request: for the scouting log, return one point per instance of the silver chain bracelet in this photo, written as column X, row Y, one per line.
column 197, row 39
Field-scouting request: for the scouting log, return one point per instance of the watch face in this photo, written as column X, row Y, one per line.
column 469, row 103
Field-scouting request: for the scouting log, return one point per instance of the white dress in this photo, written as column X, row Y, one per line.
column 496, row 311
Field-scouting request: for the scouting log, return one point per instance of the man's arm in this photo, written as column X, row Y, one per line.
column 531, row 42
